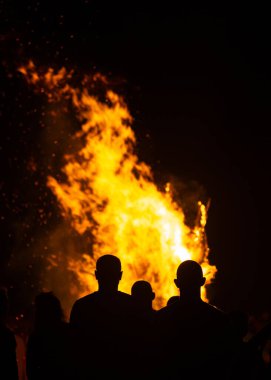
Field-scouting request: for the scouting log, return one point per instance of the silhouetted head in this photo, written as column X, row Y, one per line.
column 189, row 278
column 172, row 300
column 3, row 305
column 108, row 272
column 48, row 310
column 142, row 294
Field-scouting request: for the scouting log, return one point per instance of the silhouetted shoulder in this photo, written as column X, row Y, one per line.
column 167, row 310
column 87, row 299
column 78, row 312
column 214, row 310
column 94, row 305
column 125, row 299
column 95, row 296
column 124, row 295
column 180, row 310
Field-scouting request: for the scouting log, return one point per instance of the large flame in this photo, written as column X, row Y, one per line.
column 110, row 194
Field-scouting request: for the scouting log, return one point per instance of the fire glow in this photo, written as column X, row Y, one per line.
column 108, row 193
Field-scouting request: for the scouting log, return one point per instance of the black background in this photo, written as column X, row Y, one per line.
column 197, row 82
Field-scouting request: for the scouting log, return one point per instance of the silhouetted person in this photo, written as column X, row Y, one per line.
column 8, row 362
column 247, row 361
column 48, row 345
column 143, row 296
column 194, row 334
column 172, row 299
column 104, row 324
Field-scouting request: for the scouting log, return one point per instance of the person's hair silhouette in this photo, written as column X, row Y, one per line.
column 189, row 280
column 48, row 310
column 108, row 273
column 143, row 295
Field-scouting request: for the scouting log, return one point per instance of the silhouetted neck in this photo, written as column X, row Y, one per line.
column 145, row 306
column 107, row 291
column 190, row 296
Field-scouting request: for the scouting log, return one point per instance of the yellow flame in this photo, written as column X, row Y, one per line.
column 111, row 195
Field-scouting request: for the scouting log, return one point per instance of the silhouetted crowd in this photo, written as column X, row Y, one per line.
column 114, row 335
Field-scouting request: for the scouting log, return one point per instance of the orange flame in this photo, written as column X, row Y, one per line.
column 110, row 194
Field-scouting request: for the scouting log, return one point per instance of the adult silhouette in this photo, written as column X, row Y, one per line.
column 8, row 363
column 104, row 322
column 194, row 334
column 48, row 355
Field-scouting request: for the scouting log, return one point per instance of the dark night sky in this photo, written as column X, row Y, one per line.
column 197, row 81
